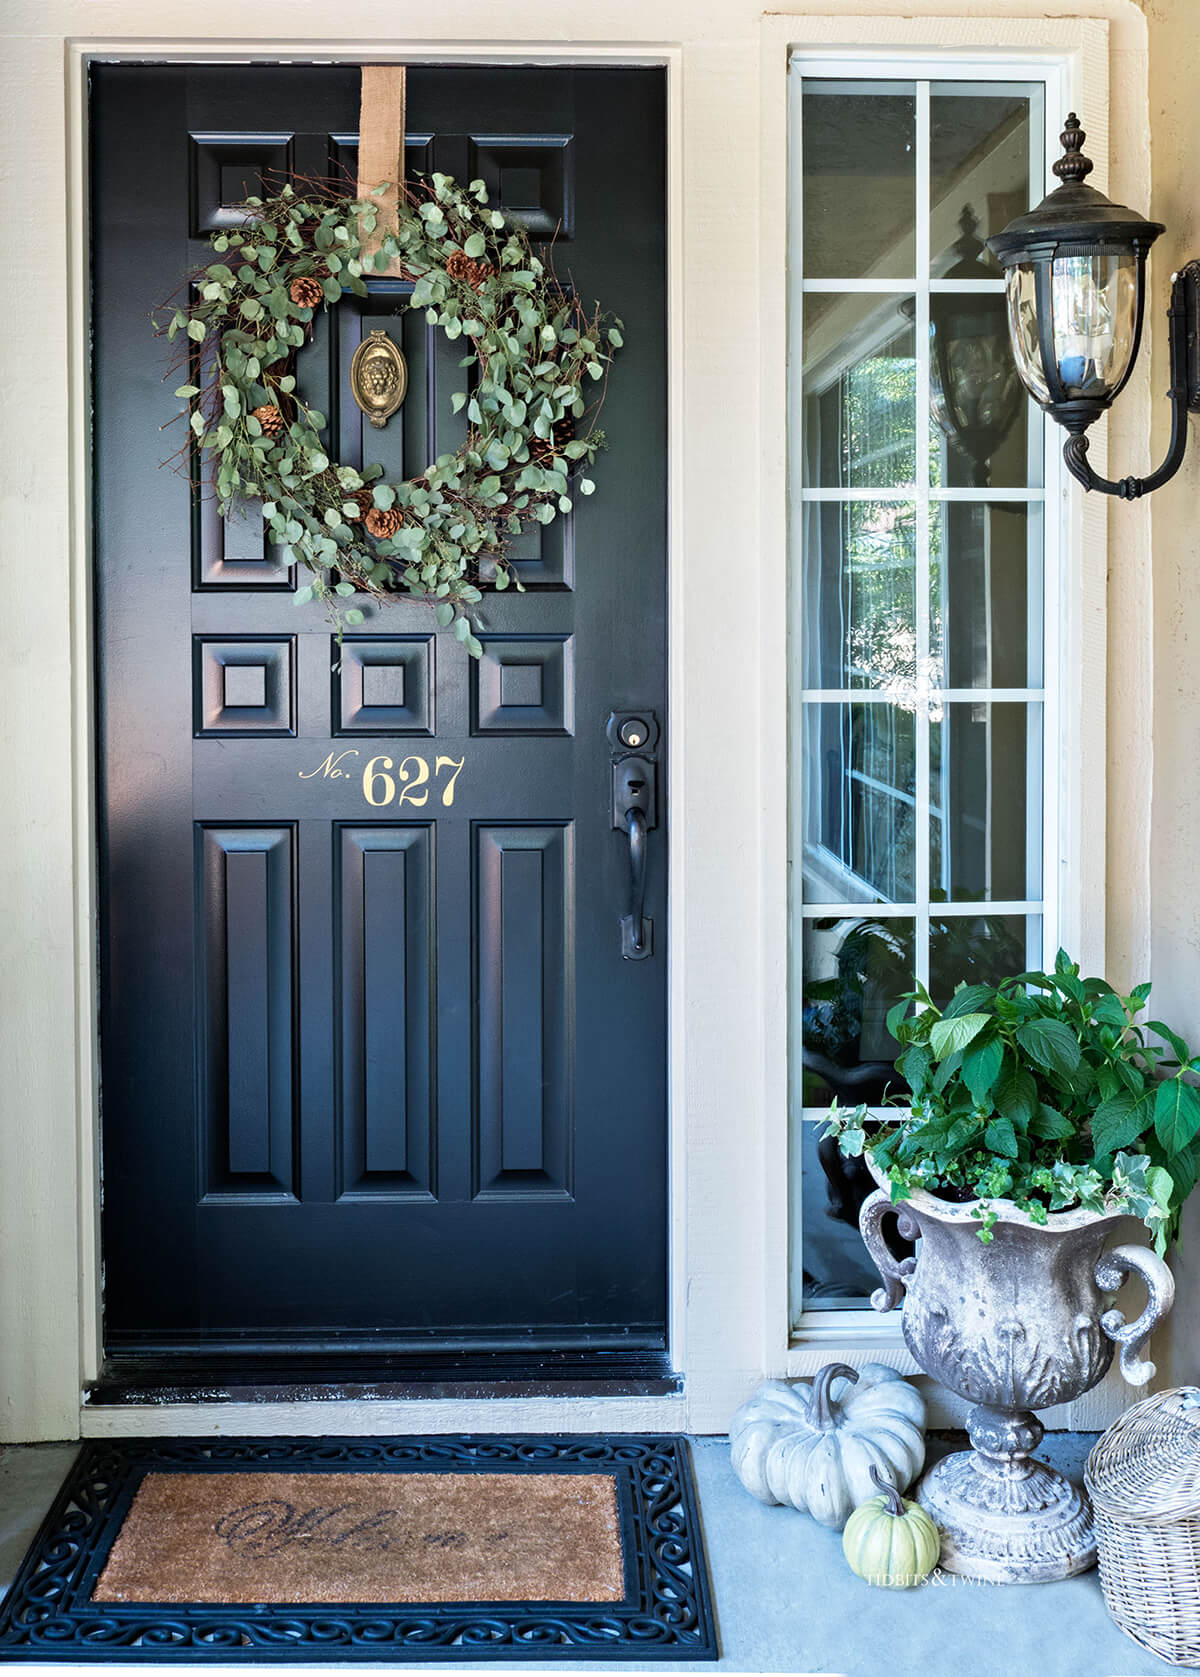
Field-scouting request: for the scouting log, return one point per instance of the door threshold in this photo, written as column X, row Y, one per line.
column 126, row 1380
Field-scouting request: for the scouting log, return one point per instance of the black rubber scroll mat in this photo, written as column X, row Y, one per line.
column 654, row 1602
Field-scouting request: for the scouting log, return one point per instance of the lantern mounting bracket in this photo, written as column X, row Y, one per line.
column 1183, row 349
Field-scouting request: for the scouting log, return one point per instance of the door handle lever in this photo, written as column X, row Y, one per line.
column 636, row 932
column 634, row 813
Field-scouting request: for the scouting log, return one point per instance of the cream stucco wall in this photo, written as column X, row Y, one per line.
column 1174, row 35
column 728, row 1043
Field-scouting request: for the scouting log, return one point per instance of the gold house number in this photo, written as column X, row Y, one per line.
column 410, row 784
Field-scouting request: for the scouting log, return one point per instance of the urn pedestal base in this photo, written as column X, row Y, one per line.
column 1002, row 1515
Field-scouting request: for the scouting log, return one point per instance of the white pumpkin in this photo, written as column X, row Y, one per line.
column 797, row 1444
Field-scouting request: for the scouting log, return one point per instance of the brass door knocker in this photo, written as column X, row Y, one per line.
column 378, row 377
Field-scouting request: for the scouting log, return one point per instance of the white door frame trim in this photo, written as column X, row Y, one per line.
column 336, row 1415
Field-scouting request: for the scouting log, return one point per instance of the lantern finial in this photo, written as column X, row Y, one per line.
column 967, row 246
column 1073, row 165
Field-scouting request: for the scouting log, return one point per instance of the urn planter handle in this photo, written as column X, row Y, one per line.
column 1111, row 1270
column 895, row 1271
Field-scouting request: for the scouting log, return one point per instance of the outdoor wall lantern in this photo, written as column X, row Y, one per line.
column 1075, row 270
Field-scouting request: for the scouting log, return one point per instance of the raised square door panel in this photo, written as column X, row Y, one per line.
column 224, row 169
column 343, row 157
column 524, row 684
column 233, row 553
column 244, row 685
column 383, row 684
column 531, row 177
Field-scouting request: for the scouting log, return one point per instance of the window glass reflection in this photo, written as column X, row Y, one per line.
column 986, row 590
column 981, row 149
column 860, row 594
column 860, row 803
column 860, row 391
column 981, row 949
column 980, row 432
column 854, row 970
column 859, row 179
column 985, row 813
column 838, row 1273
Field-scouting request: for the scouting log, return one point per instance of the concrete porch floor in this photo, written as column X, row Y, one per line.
column 785, row 1599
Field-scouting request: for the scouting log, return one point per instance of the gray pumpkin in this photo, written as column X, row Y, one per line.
column 797, row 1444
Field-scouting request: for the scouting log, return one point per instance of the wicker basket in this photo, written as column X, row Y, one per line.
column 1144, row 1481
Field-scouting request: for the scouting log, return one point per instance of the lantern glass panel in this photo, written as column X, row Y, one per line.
column 1094, row 303
column 1093, row 309
column 1022, row 314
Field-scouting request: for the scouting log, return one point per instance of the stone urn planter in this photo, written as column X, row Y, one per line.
column 1012, row 1325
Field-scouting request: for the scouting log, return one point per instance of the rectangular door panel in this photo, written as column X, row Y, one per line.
column 385, row 978
column 524, row 1002
column 246, row 991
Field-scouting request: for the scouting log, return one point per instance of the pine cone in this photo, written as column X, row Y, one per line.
column 382, row 523
column 561, row 433
column 365, row 500
column 306, row 292
column 270, row 418
column 459, row 265
column 480, row 271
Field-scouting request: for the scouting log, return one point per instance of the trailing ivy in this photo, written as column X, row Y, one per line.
column 1043, row 1091
column 534, row 364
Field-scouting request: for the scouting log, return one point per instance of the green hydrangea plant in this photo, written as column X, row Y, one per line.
column 1044, row 1091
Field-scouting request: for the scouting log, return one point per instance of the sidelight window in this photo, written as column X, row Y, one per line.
column 923, row 597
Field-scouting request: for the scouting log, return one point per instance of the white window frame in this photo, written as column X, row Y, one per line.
column 1070, row 57
column 923, row 74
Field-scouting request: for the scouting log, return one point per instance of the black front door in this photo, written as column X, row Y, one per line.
column 375, row 1072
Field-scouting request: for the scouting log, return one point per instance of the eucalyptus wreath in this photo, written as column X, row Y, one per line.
column 535, row 365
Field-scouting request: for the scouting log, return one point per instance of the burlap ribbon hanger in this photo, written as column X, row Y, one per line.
column 381, row 152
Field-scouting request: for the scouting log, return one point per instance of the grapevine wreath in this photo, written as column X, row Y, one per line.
column 535, row 353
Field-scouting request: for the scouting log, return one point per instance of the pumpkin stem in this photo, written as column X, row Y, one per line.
column 820, row 1415
column 893, row 1502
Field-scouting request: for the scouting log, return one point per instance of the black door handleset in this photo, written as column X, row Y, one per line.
column 633, row 736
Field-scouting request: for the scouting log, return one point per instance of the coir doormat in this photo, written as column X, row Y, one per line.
column 376, row 1549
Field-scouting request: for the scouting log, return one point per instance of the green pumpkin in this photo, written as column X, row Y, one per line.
column 889, row 1541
